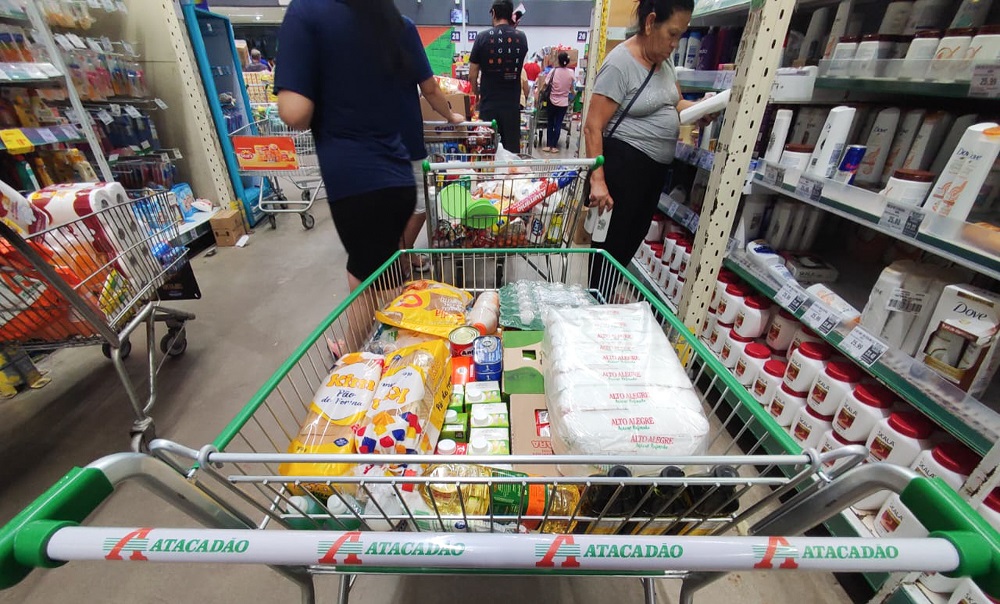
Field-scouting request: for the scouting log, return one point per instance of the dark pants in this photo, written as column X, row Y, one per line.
column 634, row 182
column 556, row 115
column 508, row 125
column 370, row 226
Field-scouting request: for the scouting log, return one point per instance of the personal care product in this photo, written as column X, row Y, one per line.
column 957, row 188
column 833, row 138
column 928, row 140
column 902, row 142
column 779, row 134
column 971, row 13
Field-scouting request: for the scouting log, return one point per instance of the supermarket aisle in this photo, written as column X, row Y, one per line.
column 259, row 303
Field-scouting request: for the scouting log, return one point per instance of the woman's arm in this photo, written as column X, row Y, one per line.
column 432, row 92
column 295, row 109
column 682, row 104
column 600, row 112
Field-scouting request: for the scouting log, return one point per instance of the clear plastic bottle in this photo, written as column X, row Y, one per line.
column 485, row 313
column 445, row 496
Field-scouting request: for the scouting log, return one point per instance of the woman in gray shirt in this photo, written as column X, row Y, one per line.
column 633, row 121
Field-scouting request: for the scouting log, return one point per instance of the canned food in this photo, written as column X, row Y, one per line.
column 462, row 339
column 487, row 356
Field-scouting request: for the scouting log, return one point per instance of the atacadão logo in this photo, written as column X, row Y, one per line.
column 137, row 543
column 349, row 547
column 565, row 547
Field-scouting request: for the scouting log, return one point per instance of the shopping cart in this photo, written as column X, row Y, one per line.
column 94, row 280
column 270, row 150
column 465, row 142
column 528, row 127
column 692, row 528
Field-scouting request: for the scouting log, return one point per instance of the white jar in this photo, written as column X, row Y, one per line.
column 708, row 326
column 719, row 335
column 751, row 362
column 674, row 293
column 834, row 384
column 732, row 348
column 807, row 427
column 985, row 46
column 805, row 364
column 446, row 446
column 950, row 461
column 753, row 316
column 786, row 404
column 860, row 412
column 947, row 62
column 655, row 265
column 896, row 520
column 685, row 259
column 843, row 54
column 898, row 440
column 781, row 329
column 768, row 381
column 645, row 251
column 663, row 277
column 669, row 243
column 677, row 255
column 732, row 299
column 872, row 50
column 831, row 441
column 967, row 592
column 672, row 278
column 724, row 280
column 655, row 255
column 802, row 334
column 909, row 187
column 919, row 54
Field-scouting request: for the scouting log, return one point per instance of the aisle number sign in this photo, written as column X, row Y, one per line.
column 265, row 152
column 15, row 141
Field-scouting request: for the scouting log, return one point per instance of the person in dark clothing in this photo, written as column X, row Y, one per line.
column 495, row 73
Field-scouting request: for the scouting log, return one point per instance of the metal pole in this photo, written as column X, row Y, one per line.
column 465, row 35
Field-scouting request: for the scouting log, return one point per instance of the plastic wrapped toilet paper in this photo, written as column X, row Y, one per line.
column 614, row 385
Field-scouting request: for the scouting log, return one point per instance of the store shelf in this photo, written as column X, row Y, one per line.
column 29, row 74
column 944, row 237
column 20, row 19
column 961, row 415
column 695, row 156
column 138, row 153
column 189, row 231
column 705, row 81
column 643, row 275
column 953, row 90
column 678, row 212
column 50, row 135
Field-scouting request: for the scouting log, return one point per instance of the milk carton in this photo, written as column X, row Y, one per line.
column 960, row 342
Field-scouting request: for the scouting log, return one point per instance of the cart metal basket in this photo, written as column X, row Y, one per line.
column 528, row 127
column 465, row 142
column 270, row 150
column 521, row 204
column 94, row 280
column 234, row 484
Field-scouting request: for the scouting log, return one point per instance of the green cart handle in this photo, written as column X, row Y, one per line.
column 66, row 503
column 946, row 515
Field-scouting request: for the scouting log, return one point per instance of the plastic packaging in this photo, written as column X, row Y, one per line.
column 796, row 159
column 693, row 46
column 905, row 133
column 768, row 381
column 831, row 441
column 523, row 302
column 842, row 55
column 705, row 107
column 859, row 413
column 896, row 15
column 928, row 140
column 779, row 134
column 601, row 228
column 898, row 439
column 946, row 64
column 427, row 307
column 610, row 501
column 786, row 404
column 812, row 45
column 751, row 362
column 805, row 364
column 971, row 13
column 725, row 279
column 832, row 386
column 781, row 330
column 485, row 313
column 731, row 301
column 928, row 14
column 802, row 334
column 956, row 190
column 909, row 187
column 732, row 348
column 838, row 27
column 807, row 428
column 718, row 337
column 919, row 54
column 832, row 139
column 753, row 317
column 873, row 49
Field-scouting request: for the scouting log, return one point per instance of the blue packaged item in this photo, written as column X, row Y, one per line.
column 487, row 356
column 185, row 198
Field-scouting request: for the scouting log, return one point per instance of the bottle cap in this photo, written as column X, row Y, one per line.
column 988, row 30
column 994, row 131
column 875, row 395
column 479, row 445
column 451, row 416
column 738, row 289
column 825, row 418
column 775, row 368
column 796, row 148
column 914, row 175
column 671, row 472
column 786, row 315
column 795, row 393
column 480, row 415
column 815, row 350
column 927, row 33
column 840, row 439
column 446, row 446
column 758, row 351
column 619, row 472
column 843, row 371
column 758, row 302
column 336, row 506
column 738, row 338
column 911, row 423
column 727, row 276
column 956, row 457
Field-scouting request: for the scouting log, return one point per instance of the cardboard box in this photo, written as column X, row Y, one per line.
column 227, row 226
column 530, row 433
column 552, row 59
column 522, row 362
column 459, row 103
column 961, row 339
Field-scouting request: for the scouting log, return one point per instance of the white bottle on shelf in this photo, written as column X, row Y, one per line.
column 897, row 14
column 812, row 45
column 833, row 138
column 839, row 26
column 878, row 144
column 928, row 140
column 779, row 134
column 951, row 141
column 972, row 13
column 927, row 14
column 957, row 188
column 919, row 54
column 902, row 142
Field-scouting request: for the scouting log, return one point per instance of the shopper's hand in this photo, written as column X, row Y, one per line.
column 600, row 198
column 456, row 118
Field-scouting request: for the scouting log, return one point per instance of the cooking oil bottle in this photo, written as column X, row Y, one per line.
column 715, row 504
column 449, row 498
column 536, row 500
column 664, row 504
column 615, row 501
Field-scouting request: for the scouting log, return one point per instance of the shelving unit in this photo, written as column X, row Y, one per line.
column 950, row 90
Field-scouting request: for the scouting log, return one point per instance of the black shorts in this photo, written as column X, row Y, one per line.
column 370, row 226
column 508, row 125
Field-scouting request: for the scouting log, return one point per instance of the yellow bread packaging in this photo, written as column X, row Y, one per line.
column 427, row 307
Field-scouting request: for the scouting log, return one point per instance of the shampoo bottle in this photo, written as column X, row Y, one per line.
column 833, row 138
column 957, row 188
column 879, row 141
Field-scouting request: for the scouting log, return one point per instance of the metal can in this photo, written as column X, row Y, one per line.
column 461, row 340
column 487, row 357
column 849, row 164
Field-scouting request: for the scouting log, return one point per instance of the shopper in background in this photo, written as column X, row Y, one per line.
column 498, row 56
column 560, row 82
column 633, row 121
column 256, row 62
column 532, row 68
column 365, row 165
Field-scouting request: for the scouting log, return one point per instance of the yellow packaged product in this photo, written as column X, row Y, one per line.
column 337, row 409
column 410, row 402
column 428, row 307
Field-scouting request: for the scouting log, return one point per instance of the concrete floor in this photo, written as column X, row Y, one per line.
column 259, row 303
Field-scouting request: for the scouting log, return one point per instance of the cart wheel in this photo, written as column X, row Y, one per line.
column 273, row 220
column 126, row 349
column 308, row 221
column 172, row 347
column 306, row 195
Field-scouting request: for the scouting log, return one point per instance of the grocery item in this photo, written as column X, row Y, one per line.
column 427, row 307
column 409, row 404
column 831, row 441
column 712, row 501
column 831, row 386
column 807, row 428
column 786, row 404
column 485, row 313
column 920, row 53
column 461, row 338
column 663, row 504
column 462, row 372
column 767, row 381
column 612, row 501
column 802, row 335
column 487, row 358
column 805, row 364
column 718, row 337
column 781, row 330
column 751, row 362
column 908, row 187
column 898, row 439
column 731, row 301
column 489, row 441
column 522, row 302
column 482, row 392
column 753, row 317
column 389, row 339
column 632, row 399
column 456, row 427
column 489, row 415
column 859, row 413
column 779, row 134
column 826, row 156
column 732, row 348
column 842, row 55
column 339, row 405
column 957, row 189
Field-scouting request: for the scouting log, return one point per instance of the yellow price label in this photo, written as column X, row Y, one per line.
column 15, row 141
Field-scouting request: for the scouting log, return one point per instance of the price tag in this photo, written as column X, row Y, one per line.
column 72, row 116
column 105, row 117
column 134, row 148
column 985, row 81
column 145, row 145
column 177, row 154
column 15, row 141
column 863, row 346
column 132, row 112
column 821, row 318
column 165, row 158
column 47, row 135
column 112, row 158
column 906, row 301
column 692, row 222
column 731, row 245
column 672, row 208
column 901, row 219
column 76, row 41
column 160, row 103
column 773, row 175
column 724, row 80
column 48, row 69
column 106, row 44
column 94, row 45
column 706, row 160
column 4, row 76
column 791, row 297
column 70, row 132
column 64, row 42
column 115, row 110
column 809, row 188
column 128, row 48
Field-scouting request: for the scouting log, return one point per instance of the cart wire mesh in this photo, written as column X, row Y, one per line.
column 465, row 142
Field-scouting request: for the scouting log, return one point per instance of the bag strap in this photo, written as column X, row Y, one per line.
column 618, row 122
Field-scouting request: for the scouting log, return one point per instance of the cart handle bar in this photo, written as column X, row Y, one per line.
column 47, row 544
column 44, row 535
column 592, row 163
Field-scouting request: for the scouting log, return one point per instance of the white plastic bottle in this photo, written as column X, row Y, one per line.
column 878, row 144
column 838, row 27
column 601, row 227
column 902, row 142
column 896, row 16
column 972, row 13
column 951, row 141
column 928, row 140
column 779, row 134
column 927, row 14
column 956, row 190
column 832, row 139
